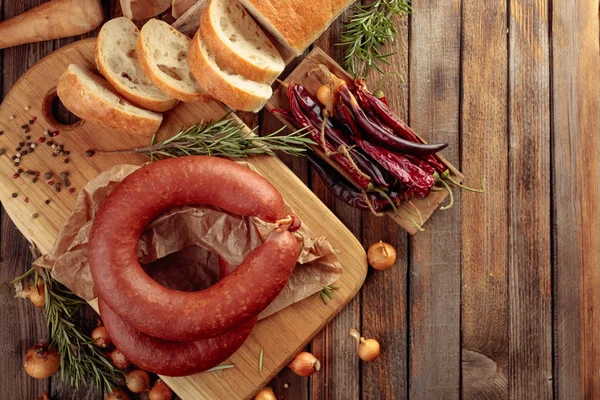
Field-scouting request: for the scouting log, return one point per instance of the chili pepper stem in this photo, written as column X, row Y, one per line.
column 385, row 196
column 417, row 210
column 419, row 228
column 446, row 175
column 377, row 214
column 449, row 189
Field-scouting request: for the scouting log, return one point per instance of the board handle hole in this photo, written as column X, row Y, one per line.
column 57, row 115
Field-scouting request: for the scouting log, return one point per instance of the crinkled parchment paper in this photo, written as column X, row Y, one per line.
column 179, row 248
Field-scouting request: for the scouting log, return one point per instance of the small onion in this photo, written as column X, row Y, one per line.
column 137, row 381
column 44, row 396
column 117, row 394
column 368, row 349
column 118, row 359
column 381, row 256
column 100, row 337
column 305, row 364
column 265, row 394
column 36, row 296
column 160, row 391
column 42, row 361
column 324, row 94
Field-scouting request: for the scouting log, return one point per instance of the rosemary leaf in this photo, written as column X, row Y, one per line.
column 369, row 29
column 223, row 138
column 79, row 358
column 327, row 292
column 260, row 360
column 220, row 367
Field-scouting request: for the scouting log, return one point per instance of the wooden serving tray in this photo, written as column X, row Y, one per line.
column 281, row 335
column 302, row 75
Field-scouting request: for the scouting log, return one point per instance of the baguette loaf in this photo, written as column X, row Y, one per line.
column 296, row 23
column 179, row 7
column 236, row 91
column 117, row 61
column 142, row 9
column 163, row 55
column 238, row 42
column 93, row 99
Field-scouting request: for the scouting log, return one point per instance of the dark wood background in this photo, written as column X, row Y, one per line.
column 500, row 296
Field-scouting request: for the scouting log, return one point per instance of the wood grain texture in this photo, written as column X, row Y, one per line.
column 384, row 306
column 484, row 231
column 530, row 333
column 576, row 119
column 434, row 368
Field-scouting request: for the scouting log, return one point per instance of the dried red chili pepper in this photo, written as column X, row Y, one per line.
column 382, row 134
column 314, row 111
column 414, row 178
column 361, row 180
column 341, row 188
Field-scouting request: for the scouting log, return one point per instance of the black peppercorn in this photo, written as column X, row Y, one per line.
column 24, row 126
column 34, row 216
column 21, row 144
column 90, row 153
column 63, row 175
column 47, row 201
column 34, row 179
column 48, row 175
column 66, row 161
column 24, row 152
column 14, row 195
column 20, row 170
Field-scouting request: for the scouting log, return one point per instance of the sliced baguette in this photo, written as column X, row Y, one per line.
column 238, row 42
column 116, row 59
column 236, row 91
column 93, row 99
column 179, row 7
column 163, row 55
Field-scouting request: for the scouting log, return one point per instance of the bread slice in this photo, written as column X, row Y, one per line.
column 238, row 42
column 236, row 91
column 93, row 99
column 116, row 59
column 163, row 55
column 296, row 23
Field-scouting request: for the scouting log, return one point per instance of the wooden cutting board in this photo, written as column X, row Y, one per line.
column 281, row 336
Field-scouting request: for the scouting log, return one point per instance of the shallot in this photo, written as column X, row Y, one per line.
column 305, row 364
column 381, row 256
column 137, row 381
column 42, row 361
column 265, row 394
column 161, row 391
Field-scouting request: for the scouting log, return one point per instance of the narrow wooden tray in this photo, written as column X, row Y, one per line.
column 281, row 335
column 302, row 75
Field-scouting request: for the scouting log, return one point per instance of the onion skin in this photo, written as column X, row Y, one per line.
column 368, row 349
column 118, row 359
column 100, row 337
column 117, row 394
column 381, row 256
column 137, row 381
column 265, row 394
column 305, row 364
column 44, row 396
column 37, row 297
column 160, row 391
column 41, row 361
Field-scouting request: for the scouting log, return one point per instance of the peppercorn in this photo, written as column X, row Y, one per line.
column 16, row 164
column 66, row 161
column 57, row 185
column 48, row 175
column 41, row 140
column 90, row 153
column 1, row 133
column 67, row 153
column 34, row 179
column 24, row 126
column 57, row 189
column 15, row 176
column 72, row 190
column 14, row 195
column 21, row 144
column 47, row 201
column 28, row 137
column 27, row 130
column 17, row 159
column 24, row 152
column 31, row 121
column 34, row 216
column 54, row 154
column 49, row 142
column 63, row 175
column 26, row 199
column 20, row 170
column 51, row 183
column 67, row 183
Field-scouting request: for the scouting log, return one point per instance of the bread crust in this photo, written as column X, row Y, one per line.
column 217, row 86
column 298, row 22
column 133, row 96
column 83, row 102
column 225, row 55
column 145, row 61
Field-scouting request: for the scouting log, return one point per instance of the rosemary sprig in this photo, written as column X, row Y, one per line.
column 225, row 138
column 79, row 358
column 369, row 29
column 327, row 292
column 221, row 367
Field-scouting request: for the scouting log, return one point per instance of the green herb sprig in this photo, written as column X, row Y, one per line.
column 369, row 29
column 223, row 138
column 327, row 292
column 79, row 358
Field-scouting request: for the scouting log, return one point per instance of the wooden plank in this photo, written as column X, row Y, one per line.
column 340, row 378
column 384, row 310
column 484, row 229
column 22, row 324
column 435, row 254
column 576, row 225
column 530, row 348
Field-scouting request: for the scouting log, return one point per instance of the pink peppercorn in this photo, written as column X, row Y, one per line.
column 34, row 118
column 51, row 183
column 41, row 140
column 16, row 175
column 26, row 199
column 72, row 190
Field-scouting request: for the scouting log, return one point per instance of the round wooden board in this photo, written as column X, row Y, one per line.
column 282, row 335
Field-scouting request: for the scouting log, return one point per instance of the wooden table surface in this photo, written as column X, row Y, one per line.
column 500, row 296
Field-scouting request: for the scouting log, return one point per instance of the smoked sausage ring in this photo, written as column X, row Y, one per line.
column 172, row 314
column 167, row 357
